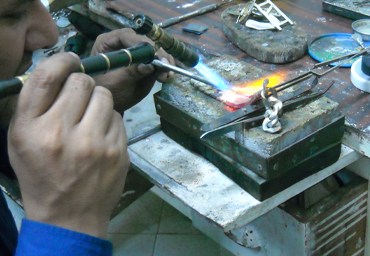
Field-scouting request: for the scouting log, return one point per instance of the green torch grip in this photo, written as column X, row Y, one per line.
column 104, row 62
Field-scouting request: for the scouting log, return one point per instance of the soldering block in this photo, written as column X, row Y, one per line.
column 307, row 131
column 296, row 125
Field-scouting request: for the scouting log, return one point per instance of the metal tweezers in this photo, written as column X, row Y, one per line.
column 242, row 118
column 294, row 101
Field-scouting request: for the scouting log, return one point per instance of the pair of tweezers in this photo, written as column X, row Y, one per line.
column 234, row 121
column 291, row 100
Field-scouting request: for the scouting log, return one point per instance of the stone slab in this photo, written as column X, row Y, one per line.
column 271, row 46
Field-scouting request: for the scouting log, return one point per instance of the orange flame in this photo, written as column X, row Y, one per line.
column 249, row 88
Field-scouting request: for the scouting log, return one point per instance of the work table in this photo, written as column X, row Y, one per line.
column 309, row 15
column 214, row 203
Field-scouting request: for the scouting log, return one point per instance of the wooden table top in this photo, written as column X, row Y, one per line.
column 308, row 14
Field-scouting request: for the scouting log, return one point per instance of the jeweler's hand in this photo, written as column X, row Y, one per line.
column 68, row 148
column 128, row 85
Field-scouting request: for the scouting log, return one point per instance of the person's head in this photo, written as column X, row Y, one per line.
column 25, row 26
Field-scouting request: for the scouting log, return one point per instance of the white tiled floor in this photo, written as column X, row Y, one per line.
column 152, row 227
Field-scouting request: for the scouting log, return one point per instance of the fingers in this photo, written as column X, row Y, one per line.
column 124, row 38
column 160, row 74
column 163, row 75
column 145, row 69
column 98, row 114
column 73, row 98
column 116, row 40
column 169, row 58
column 44, row 83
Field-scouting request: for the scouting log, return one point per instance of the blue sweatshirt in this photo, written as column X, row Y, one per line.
column 40, row 239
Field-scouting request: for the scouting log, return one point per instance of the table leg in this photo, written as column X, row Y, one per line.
column 361, row 168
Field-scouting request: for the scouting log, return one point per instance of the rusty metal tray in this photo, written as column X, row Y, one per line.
column 347, row 8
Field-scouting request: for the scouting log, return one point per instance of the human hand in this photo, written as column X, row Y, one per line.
column 128, row 85
column 68, row 148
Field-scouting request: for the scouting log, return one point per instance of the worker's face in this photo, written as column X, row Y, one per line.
column 25, row 26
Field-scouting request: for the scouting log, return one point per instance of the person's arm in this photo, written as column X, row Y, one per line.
column 68, row 148
column 41, row 239
column 128, row 85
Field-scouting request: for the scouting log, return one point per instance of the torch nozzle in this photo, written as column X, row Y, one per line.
column 181, row 71
column 143, row 25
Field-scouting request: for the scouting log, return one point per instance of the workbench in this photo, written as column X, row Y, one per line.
column 194, row 186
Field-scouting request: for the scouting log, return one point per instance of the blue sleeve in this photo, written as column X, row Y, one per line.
column 42, row 239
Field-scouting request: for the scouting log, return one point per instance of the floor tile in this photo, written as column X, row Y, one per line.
column 141, row 217
column 174, row 222
column 132, row 245
column 185, row 245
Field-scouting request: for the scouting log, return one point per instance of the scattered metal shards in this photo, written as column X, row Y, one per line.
column 265, row 15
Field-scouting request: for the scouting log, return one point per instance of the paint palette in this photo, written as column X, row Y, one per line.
column 330, row 46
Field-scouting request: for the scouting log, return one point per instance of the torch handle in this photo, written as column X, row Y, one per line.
column 99, row 64
column 104, row 62
column 143, row 25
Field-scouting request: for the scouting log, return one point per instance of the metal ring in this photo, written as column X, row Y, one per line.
column 129, row 55
column 83, row 68
column 22, row 78
column 107, row 60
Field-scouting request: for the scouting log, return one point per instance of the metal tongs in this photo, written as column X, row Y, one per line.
column 250, row 115
column 255, row 118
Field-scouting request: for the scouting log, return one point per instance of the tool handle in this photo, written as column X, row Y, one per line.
column 170, row 22
column 178, row 19
column 102, row 63
column 10, row 87
column 143, row 25
column 99, row 64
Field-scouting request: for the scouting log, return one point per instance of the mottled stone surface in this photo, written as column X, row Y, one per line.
column 296, row 124
column 185, row 94
column 271, row 46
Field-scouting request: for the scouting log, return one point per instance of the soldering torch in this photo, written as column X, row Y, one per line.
column 143, row 25
column 94, row 65
column 141, row 53
column 102, row 63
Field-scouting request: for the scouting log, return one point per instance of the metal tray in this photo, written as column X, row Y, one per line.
column 330, row 46
column 346, row 8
